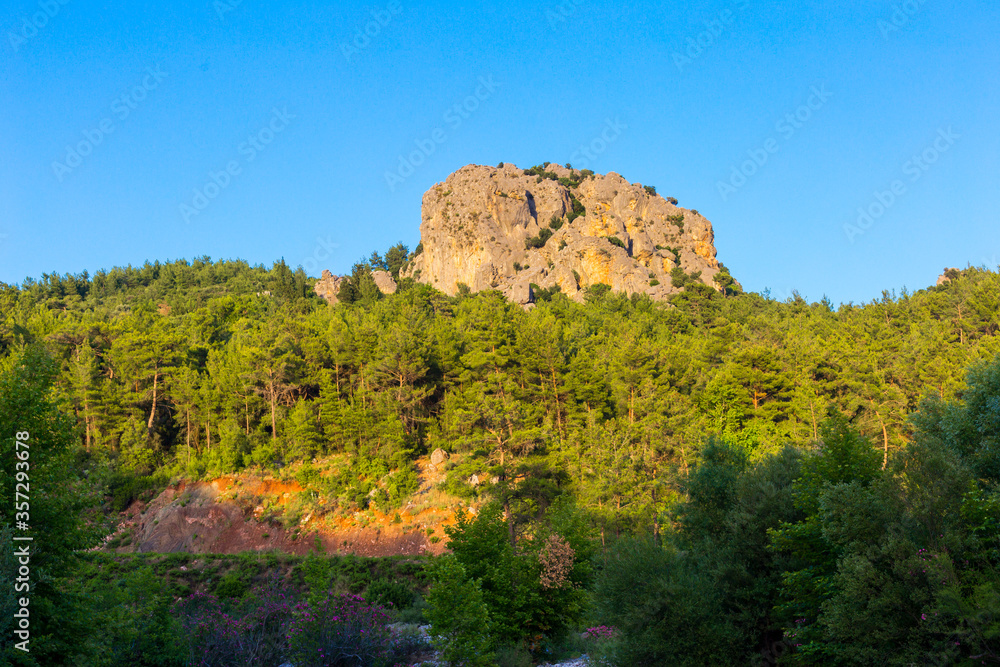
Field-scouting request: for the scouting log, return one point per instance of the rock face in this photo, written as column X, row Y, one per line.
column 948, row 276
column 328, row 286
column 384, row 281
column 485, row 228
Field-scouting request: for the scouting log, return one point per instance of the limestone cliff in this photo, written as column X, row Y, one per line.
column 505, row 228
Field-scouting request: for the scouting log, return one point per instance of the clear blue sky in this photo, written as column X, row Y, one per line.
column 184, row 86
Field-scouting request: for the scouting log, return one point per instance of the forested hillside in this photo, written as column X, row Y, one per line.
column 719, row 479
column 203, row 368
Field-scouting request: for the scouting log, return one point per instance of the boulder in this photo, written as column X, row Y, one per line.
column 384, row 281
column 500, row 228
column 328, row 286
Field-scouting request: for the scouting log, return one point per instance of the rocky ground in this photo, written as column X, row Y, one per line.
column 233, row 514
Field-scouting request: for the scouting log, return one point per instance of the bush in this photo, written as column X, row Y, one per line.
column 513, row 656
column 544, row 294
column 664, row 608
column 539, row 241
column 679, row 277
column 393, row 594
column 126, row 488
column 556, row 222
column 232, row 585
column 614, row 240
column 254, row 635
column 460, row 624
column 401, row 485
column 137, row 625
column 342, row 631
column 650, row 189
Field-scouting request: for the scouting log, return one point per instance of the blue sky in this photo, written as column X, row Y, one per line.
column 243, row 129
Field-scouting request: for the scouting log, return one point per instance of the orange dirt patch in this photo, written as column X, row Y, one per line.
column 196, row 517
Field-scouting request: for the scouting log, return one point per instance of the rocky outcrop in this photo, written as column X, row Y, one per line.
column 328, row 286
column 384, row 281
column 503, row 228
column 948, row 276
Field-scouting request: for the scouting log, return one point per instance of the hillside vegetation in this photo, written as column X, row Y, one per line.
column 201, row 369
column 721, row 478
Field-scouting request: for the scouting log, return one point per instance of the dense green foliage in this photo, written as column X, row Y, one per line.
column 205, row 368
column 826, row 556
column 54, row 509
column 787, row 495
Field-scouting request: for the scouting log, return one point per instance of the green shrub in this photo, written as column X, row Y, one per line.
column 679, row 277
column 544, row 294
column 460, row 624
column 539, row 241
column 396, row 594
column 136, row 620
column 126, row 488
column 577, row 211
column 663, row 607
column 514, row 656
column 556, row 222
column 401, row 485
column 232, row 585
column 615, row 241
column 650, row 189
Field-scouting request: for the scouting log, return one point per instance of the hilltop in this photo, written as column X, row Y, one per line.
column 555, row 228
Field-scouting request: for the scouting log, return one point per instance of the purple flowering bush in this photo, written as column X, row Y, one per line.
column 253, row 635
column 343, row 631
column 270, row 628
column 602, row 642
column 600, row 632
